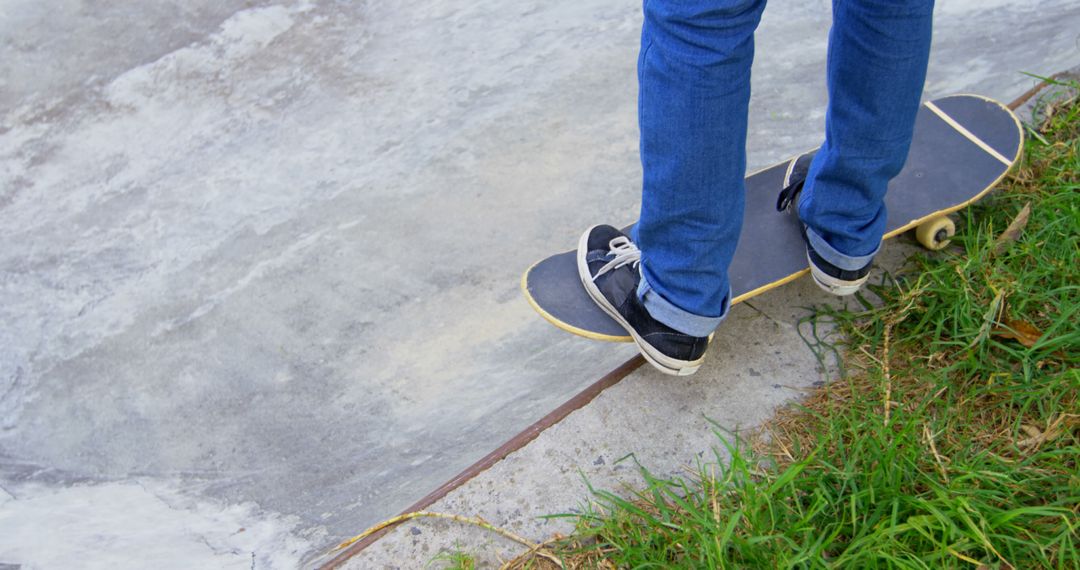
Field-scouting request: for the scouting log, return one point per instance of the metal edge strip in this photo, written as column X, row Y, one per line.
column 610, row 379
column 338, row 558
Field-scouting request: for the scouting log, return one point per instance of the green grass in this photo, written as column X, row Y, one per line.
column 947, row 443
column 453, row 560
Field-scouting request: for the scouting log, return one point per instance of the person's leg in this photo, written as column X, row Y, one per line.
column 694, row 76
column 694, row 73
column 878, row 53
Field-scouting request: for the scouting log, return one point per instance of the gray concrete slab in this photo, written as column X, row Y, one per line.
column 667, row 425
column 259, row 263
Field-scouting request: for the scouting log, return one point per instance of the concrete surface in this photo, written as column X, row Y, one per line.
column 258, row 274
column 670, row 426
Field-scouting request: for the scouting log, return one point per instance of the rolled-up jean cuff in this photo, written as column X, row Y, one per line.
column 687, row 323
column 840, row 260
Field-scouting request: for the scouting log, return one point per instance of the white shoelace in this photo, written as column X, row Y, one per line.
column 625, row 253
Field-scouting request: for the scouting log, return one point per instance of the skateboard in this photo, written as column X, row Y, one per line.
column 963, row 145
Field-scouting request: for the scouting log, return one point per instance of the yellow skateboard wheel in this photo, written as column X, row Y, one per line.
column 935, row 234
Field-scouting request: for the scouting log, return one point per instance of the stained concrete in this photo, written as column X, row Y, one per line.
column 263, row 256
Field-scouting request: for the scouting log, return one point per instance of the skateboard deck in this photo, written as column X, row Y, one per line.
column 963, row 145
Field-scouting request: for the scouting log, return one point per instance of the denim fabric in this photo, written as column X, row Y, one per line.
column 694, row 76
column 876, row 67
column 665, row 312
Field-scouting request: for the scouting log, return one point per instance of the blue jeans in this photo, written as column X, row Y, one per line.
column 694, row 75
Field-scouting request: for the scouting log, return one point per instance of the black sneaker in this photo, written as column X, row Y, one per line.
column 797, row 171
column 829, row 277
column 608, row 265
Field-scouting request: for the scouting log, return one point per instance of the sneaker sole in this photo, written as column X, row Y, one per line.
column 830, row 284
column 659, row 360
